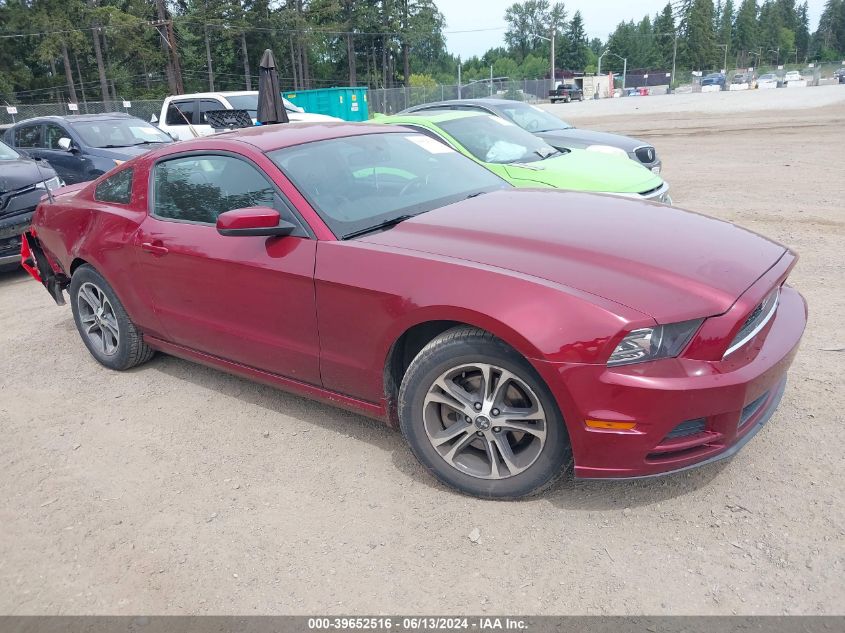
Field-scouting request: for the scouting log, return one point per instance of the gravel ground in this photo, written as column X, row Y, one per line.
column 176, row 489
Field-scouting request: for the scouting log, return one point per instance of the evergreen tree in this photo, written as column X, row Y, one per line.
column 745, row 32
column 575, row 54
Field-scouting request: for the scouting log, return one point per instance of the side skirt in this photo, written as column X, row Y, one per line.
column 375, row 411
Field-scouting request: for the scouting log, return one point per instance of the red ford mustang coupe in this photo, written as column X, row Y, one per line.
column 508, row 333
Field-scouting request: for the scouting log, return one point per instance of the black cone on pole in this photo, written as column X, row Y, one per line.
column 271, row 108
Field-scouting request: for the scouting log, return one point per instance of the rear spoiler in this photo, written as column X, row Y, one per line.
column 35, row 262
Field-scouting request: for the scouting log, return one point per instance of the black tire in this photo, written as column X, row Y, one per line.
column 453, row 349
column 129, row 349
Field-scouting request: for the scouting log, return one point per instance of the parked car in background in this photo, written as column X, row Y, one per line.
column 714, row 79
column 792, row 76
column 376, row 269
column 743, row 78
column 83, row 147
column 525, row 160
column 768, row 80
column 839, row 75
column 22, row 183
column 557, row 133
column 566, row 93
column 184, row 116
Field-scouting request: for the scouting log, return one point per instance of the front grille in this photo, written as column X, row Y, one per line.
column 685, row 429
column 758, row 318
column 750, row 409
column 645, row 154
column 10, row 246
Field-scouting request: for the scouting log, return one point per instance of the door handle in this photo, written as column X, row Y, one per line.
column 156, row 248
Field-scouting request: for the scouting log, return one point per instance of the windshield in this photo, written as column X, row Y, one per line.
column 7, row 153
column 532, row 118
column 250, row 104
column 359, row 182
column 494, row 140
column 119, row 133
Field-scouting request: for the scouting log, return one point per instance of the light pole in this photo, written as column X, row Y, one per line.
column 777, row 54
column 796, row 55
column 725, row 46
column 624, row 68
column 551, row 40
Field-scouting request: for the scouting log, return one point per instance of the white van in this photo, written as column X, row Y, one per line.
column 183, row 116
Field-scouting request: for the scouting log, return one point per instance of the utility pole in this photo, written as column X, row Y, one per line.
column 725, row 46
column 674, row 57
column 459, row 76
column 553, row 60
column 174, row 74
column 491, row 80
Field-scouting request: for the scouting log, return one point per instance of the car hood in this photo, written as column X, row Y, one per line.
column 123, row 153
column 20, row 173
column 666, row 263
column 577, row 138
column 584, row 171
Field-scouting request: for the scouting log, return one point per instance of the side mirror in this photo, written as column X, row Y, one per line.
column 65, row 143
column 254, row 221
column 154, row 119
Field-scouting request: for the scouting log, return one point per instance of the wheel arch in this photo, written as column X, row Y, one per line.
column 411, row 337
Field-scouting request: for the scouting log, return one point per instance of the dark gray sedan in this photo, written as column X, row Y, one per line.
column 559, row 134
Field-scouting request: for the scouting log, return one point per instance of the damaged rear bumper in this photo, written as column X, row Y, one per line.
column 36, row 263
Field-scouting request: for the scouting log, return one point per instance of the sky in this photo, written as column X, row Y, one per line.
column 486, row 18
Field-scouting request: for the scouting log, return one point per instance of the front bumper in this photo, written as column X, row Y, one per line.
column 687, row 412
column 11, row 230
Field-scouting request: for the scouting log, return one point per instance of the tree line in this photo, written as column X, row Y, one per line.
column 73, row 50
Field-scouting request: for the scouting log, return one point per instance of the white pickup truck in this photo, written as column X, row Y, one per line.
column 183, row 116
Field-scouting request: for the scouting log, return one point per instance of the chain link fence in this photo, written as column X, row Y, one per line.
column 141, row 109
column 393, row 100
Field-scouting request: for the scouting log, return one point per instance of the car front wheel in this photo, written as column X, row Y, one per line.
column 102, row 322
column 478, row 416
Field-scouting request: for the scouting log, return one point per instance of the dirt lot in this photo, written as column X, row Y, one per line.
column 158, row 490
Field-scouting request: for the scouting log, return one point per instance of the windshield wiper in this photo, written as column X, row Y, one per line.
column 131, row 144
column 380, row 226
column 476, row 194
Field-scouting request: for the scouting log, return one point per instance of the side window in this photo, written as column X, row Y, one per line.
column 209, row 105
column 199, row 188
column 430, row 134
column 117, row 188
column 28, row 136
column 180, row 113
column 52, row 134
column 471, row 108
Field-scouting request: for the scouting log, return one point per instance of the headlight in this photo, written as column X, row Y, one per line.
column 53, row 183
column 607, row 149
column 651, row 343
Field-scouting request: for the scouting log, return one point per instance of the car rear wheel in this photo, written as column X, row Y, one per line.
column 103, row 324
column 478, row 416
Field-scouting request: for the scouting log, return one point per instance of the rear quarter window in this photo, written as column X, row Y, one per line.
column 116, row 189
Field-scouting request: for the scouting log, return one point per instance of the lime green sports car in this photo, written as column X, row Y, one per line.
column 524, row 160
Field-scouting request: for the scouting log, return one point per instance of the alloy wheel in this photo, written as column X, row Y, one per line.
column 99, row 323
column 484, row 421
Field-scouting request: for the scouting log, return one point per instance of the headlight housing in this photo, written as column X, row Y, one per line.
column 607, row 149
column 52, row 183
column 652, row 343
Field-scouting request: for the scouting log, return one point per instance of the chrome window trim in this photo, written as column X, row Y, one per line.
column 757, row 328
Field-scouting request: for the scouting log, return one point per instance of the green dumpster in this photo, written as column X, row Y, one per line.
column 349, row 104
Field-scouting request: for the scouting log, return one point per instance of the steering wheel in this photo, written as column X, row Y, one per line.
column 416, row 183
column 532, row 125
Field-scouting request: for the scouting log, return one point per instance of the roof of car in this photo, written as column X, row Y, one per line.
column 490, row 101
column 79, row 118
column 229, row 93
column 272, row 137
column 434, row 116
